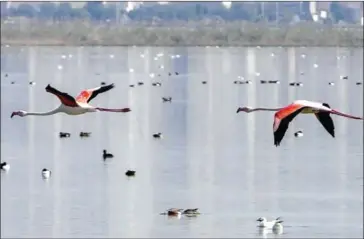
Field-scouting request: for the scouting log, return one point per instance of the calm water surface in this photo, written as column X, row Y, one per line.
column 211, row 158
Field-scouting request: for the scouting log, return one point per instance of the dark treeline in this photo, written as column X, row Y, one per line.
column 96, row 11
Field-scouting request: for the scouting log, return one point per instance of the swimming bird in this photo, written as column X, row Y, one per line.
column 158, row 136
column 130, row 173
column 358, row 83
column 278, row 227
column 298, row 134
column 263, row 223
column 167, row 99
column 106, row 155
column 344, row 77
column 285, row 115
column 5, row 166
column 140, row 83
column 296, row 84
column 64, row 135
column 204, row 82
column 72, row 106
column 331, row 83
column 85, row 134
column 191, row 212
column 156, row 84
column 239, row 82
column 173, row 212
column 46, row 173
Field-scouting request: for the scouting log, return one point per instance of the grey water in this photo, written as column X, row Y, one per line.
column 210, row 158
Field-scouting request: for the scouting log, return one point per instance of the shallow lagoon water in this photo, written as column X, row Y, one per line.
column 211, row 158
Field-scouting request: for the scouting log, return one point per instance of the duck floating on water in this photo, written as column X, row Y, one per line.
column 298, row 134
column 156, row 84
column 191, row 212
column 174, row 212
column 296, row 84
column 85, row 134
column 179, row 212
column 158, row 136
column 167, row 99
column 64, row 135
column 5, row 166
column 46, row 173
column 130, row 173
column 106, row 155
column 239, row 82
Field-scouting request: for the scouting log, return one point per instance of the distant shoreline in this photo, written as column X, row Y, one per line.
column 229, row 34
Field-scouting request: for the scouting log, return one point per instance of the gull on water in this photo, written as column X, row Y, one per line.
column 274, row 224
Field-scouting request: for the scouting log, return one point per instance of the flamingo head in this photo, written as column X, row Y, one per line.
column 20, row 113
column 245, row 109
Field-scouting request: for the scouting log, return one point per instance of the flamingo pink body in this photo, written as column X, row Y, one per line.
column 285, row 115
column 72, row 106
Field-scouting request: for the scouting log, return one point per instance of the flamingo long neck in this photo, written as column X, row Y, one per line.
column 52, row 112
column 266, row 109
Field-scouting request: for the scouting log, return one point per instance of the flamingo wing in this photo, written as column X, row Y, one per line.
column 65, row 98
column 345, row 115
column 87, row 95
column 326, row 121
column 282, row 119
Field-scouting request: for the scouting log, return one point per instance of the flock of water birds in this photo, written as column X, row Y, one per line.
column 281, row 120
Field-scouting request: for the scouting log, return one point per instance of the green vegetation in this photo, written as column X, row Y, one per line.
column 179, row 24
column 199, row 33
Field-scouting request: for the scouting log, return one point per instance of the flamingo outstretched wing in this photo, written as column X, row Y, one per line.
column 65, row 98
column 326, row 121
column 345, row 115
column 87, row 95
column 282, row 119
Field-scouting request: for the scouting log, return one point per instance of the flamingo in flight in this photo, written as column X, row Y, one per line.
column 285, row 115
column 72, row 106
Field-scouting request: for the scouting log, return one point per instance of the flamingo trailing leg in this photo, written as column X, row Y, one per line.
column 72, row 106
column 285, row 115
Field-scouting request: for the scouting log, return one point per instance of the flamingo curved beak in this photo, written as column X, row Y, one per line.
column 12, row 114
column 125, row 110
column 239, row 109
